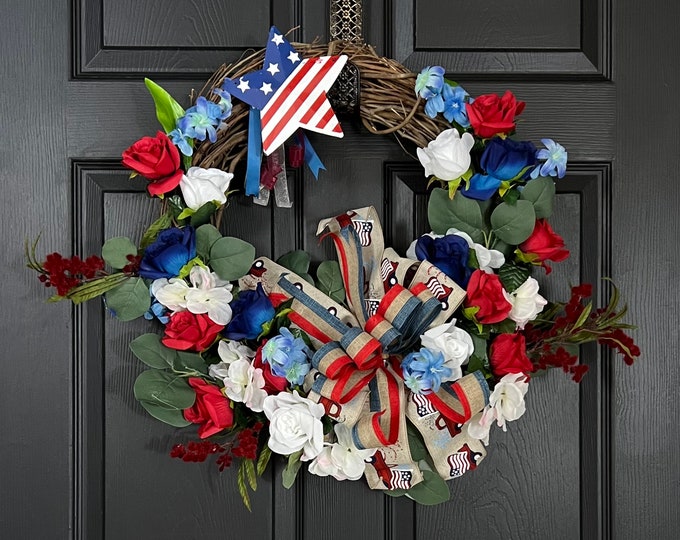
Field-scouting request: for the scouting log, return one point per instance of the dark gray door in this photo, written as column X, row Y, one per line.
column 80, row 458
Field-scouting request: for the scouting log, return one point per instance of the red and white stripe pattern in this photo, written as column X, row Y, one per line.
column 400, row 478
column 423, row 405
column 301, row 102
column 364, row 228
column 436, row 288
column 459, row 463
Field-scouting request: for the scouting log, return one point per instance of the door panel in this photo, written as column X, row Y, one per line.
column 106, row 472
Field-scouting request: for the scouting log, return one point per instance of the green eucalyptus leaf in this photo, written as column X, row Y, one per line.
column 460, row 212
column 289, row 474
column 116, row 250
column 432, row 490
column 330, row 280
column 415, row 443
column 149, row 349
column 129, row 300
column 541, row 193
column 513, row 224
column 168, row 111
column 184, row 361
column 174, row 417
column 295, row 261
column 231, row 258
column 206, row 236
column 202, row 215
column 162, row 223
column 164, row 389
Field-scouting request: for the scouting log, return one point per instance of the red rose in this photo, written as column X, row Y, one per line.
column 211, row 409
column 156, row 159
column 508, row 355
column 273, row 384
column 490, row 115
column 187, row 331
column 544, row 244
column 486, row 292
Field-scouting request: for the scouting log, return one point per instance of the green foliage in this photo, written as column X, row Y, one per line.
column 432, row 490
column 149, row 349
column 162, row 223
column 513, row 275
column 92, row 289
column 116, row 250
column 513, row 224
column 263, row 460
column 460, row 212
column 129, row 300
column 189, row 363
column 415, row 443
column 206, row 236
column 541, row 193
column 298, row 262
column 164, row 395
column 168, row 111
column 202, row 215
column 241, row 483
column 330, row 281
column 231, row 258
column 289, row 474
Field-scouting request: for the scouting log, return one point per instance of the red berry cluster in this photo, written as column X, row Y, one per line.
column 65, row 274
column 545, row 345
column 195, row 451
column 133, row 264
column 246, row 442
column 244, row 447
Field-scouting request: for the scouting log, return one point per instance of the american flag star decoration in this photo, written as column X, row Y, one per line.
column 289, row 92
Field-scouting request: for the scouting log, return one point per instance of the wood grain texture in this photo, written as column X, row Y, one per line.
column 488, row 42
column 497, row 25
column 35, row 337
column 647, row 467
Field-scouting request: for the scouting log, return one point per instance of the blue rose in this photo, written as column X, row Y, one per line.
column 449, row 253
column 504, row 159
column 169, row 253
column 481, row 187
column 249, row 312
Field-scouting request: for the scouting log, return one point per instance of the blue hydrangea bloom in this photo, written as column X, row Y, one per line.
column 555, row 156
column 157, row 311
column 454, row 105
column 434, row 105
column 287, row 356
column 424, row 370
column 201, row 120
column 430, row 81
column 225, row 102
column 181, row 140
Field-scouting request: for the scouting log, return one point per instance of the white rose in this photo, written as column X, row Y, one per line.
column 341, row 460
column 200, row 186
column 448, row 156
column 295, row 424
column 526, row 302
column 454, row 343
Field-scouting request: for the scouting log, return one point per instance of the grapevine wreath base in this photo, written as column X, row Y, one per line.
column 390, row 366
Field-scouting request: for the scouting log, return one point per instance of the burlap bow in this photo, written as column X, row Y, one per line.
column 358, row 352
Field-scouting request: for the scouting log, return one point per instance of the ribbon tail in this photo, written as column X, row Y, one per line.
column 312, row 158
column 254, row 153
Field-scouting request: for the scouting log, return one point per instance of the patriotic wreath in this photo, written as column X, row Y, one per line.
column 384, row 365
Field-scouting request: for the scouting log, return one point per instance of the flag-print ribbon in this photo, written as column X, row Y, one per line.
column 366, row 356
